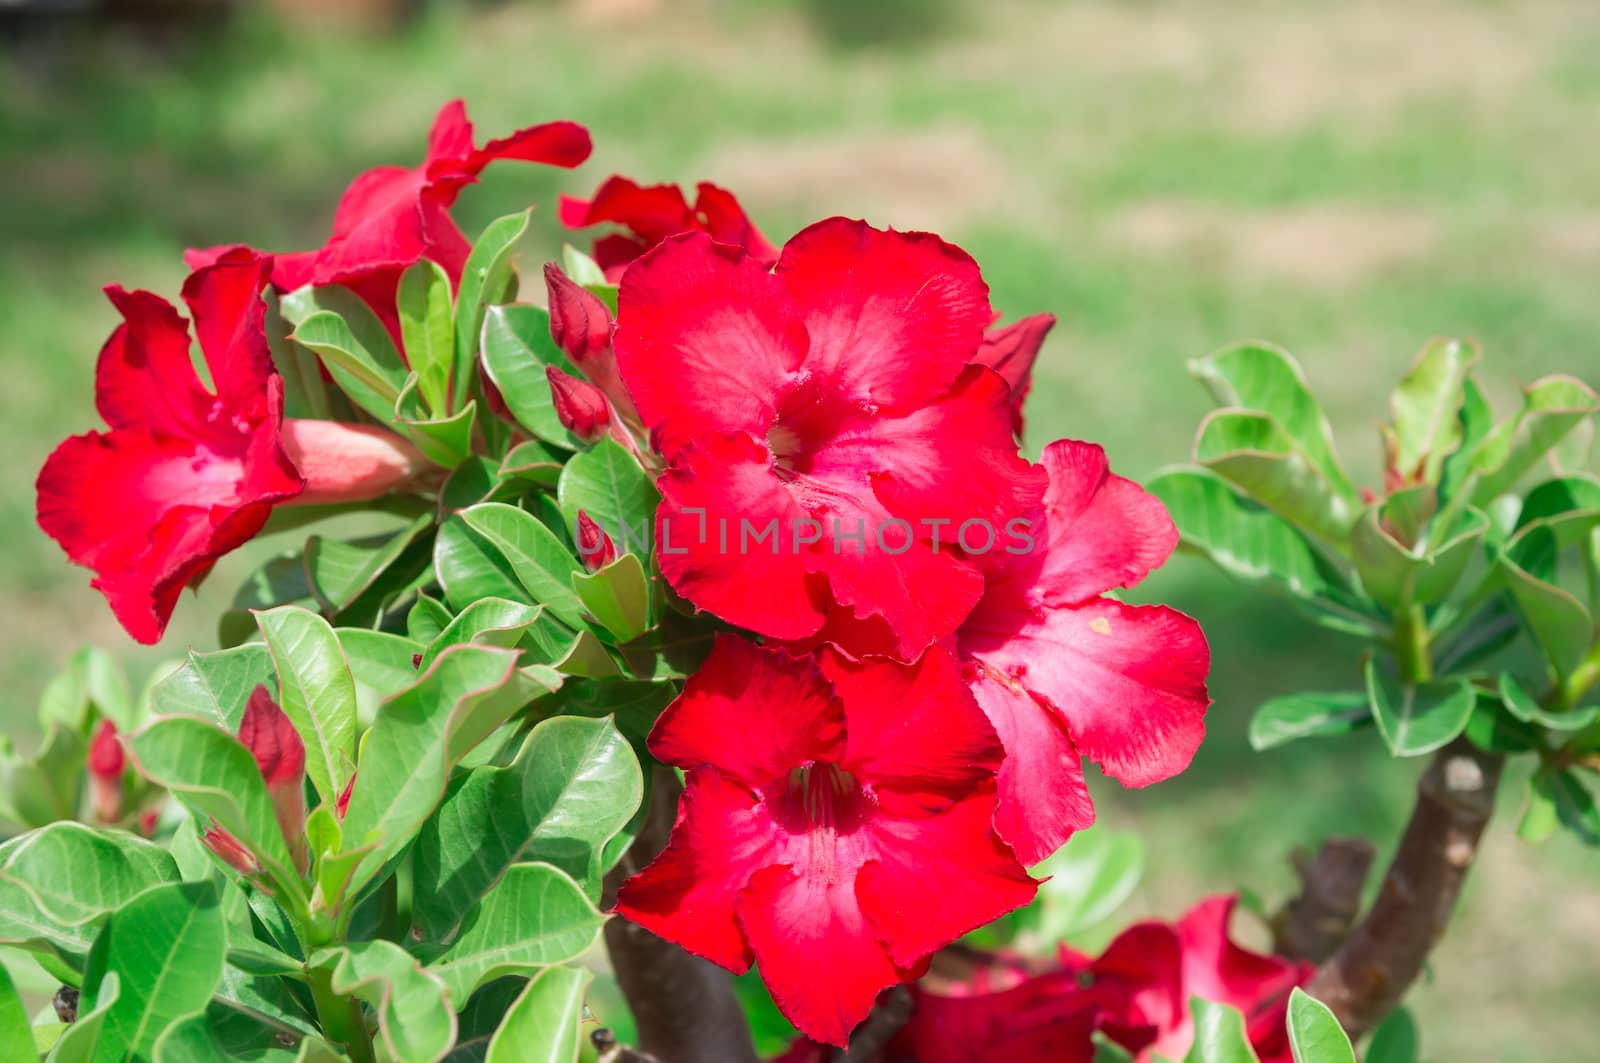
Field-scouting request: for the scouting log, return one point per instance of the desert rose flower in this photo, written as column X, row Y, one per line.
column 835, row 828
column 106, row 763
column 1065, row 672
column 186, row 474
column 1011, row 350
column 831, row 400
column 651, row 213
column 392, row 216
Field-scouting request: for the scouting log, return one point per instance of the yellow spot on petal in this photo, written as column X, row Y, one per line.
column 1100, row 626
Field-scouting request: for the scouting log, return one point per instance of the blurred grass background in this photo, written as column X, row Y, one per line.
column 1344, row 179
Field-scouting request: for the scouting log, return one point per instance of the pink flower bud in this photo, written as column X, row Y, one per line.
column 595, row 547
column 579, row 323
column 348, row 462
column 234, row 854
column 581, row 406
column 106, row 764
column 281, row 755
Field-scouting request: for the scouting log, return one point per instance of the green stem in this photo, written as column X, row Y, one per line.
column 1581, row 678
column 340, row 1016
column 1412, row 651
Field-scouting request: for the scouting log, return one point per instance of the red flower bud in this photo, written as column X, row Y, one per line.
column 581, row 406
column 341, row 806
column 234, row 854
column 348, row 462
column 281, row 755
column 579, row 322
column 595, row 547
column 106, row 763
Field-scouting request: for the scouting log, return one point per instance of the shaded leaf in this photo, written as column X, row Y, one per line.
column 427, row 328
column 486, row 278
column 516, row 349
column 1282, row 720
column 542, row 563
column 607, row 483
column 1418, row 718
column 414, row 1015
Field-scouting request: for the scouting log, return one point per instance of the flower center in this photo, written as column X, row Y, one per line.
column 826, row 795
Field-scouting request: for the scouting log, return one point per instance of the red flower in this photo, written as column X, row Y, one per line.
column 830, row 400
column 835, row 828
column 1137, row 993
column 106, row 763
column 184, row 475
column 281, row 756
column 654, row 212
column 1011, row 351
column 392, row 216
column 1064, row 672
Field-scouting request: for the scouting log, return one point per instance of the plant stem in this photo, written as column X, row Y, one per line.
column 685, row 1007
column 1377, row 963
column 1412, row 652
column 340, row 1016
column 1581, row 678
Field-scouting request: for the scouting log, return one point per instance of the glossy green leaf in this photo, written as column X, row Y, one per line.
column 1396, row 1039
column 46, row 786
column 536, row 917
column 1418, row 718
column 607, row 483
column 545, row 1025
column 1315, row 1036
column 470, row 568
column 1400, row 573
column 542, row 563
column 16, row 1036
column 516, row 349
column 381, row 664
column 215, row 686
column 372, row 378
column 1568, row 506
column 1524, row 706
column 420, row 734
column 340, row 573
column 223, row 1035
column 1425, row 409
column 574, row 784
column 487, row 278
column 618, row 596
column 58, row 884
column 487, row 622
column 1307, row 715
column 1260, row 377
column 427, row 619
column 1476, row 421
column 1108, row 1051
column 1492, row 728
column 1551, row 408
column 1253, row 452
column 581, row 268
column 1219, row 1035
column 1569, row 797
column 1089, row 878
column 316, row 692
column 1560, row 624
column 445, row 439
column 78, row 1041
column 427, row 329
column 415, row 1020
column 166, row 949
column 534, row 461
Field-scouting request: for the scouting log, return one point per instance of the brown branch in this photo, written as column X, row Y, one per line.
column 891, row 1012
column 685, row 1007
column 1313, row 924
column 1377, row 963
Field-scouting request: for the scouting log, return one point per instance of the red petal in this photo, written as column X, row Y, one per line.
column 687, row 895
column 818, row 954
column 1043, row 1020
column 652, row 212
column 1043, row 798
column 717, row 558
column 580, row 406
column 106, row 758
column 1129, row 680
column 230, row 324
column 721, row 215
column 1214, row 968
column 1011, row 352
column 893, row 317
column 706, row 340
column 754, row 713
column 564, row 144
column 144, row 375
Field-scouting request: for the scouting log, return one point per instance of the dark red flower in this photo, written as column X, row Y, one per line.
column 654, row 212
column 392, row 216
column 1136, row 993
column 1065, row 672
column 281, row 756
column 830, row 400
column 1011, row 350
column 185, row 474
column 580, row 406
column 835, row 828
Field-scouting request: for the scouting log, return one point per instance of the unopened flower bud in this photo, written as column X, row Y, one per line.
column 281, row 755
column 106, row 764
column 233, row 853
column 595, row 547
column 580, row 405
column 348, row 462
column 579, row 322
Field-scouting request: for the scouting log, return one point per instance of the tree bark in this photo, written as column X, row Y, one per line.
column 1376, row 964
column 1315, row 923
column 685, row 1007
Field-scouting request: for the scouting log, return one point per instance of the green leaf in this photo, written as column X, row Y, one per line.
column 546, row 1022
column 78, row 1041
column 1418, row 718
column 607, row 483
column 1494, row 729
column 1396, row 1040
column 427, row 329
column 380, row 663
column 581, row 268
column 372, row 378
column 1254, row 453
column 534, row 461
column 516, row 349
column 215, row 686
column 1307, row 715
column 420, row 734
column 91, row 680
column 45, row 787
column 222, row 1035
column 573, row 785
column 414, row 1015
column 16, row 1036
column 1426, row 408
column 470, row 568
column 58, row 884
column 216, row 778
column 487, row 278
column 1219, row 1035
column 1539, row 817
column 1315, row 1036
column 618, row 596
column 445, row 440
column 540, row 560
column 1568, row 506
column 166, row 948
column 341, row 573
column 316, row 692
column 1399, row 574
column 1265, row 378
column 1090, row 877
column 1551, row 408
column 427, row 619
column 488, row 622
column 1559, row 623
column 1253, row 544
column 1571, row 800
column 536, row 917
column 1524, row 706
column 1108, row 1051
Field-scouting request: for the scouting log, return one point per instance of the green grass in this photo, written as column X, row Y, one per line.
column 1346, row 180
